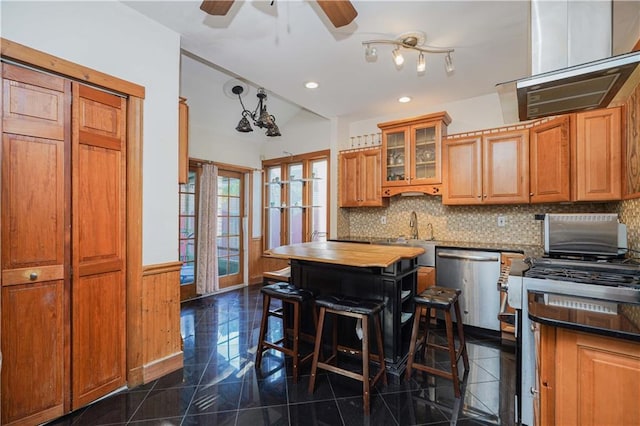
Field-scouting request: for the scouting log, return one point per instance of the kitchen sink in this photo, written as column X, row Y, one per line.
column 428, row 258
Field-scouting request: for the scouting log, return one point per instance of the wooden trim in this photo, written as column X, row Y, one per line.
column 637, row 46
column 232, row 168
column 134, row 241
column 297, row 158
column 161, row 367
column 26, row 55
column 161, row 268
column 443, row 116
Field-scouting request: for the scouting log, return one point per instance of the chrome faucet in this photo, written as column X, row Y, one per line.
column 429, row 231
column 413, row 224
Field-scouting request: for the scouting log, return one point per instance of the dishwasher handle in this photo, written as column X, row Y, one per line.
column 469, row 257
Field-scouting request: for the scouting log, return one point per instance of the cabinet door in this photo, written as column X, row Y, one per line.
column 370, row 180
column 349, row 165
column 35, row 223
column 98, row 294
column 599, row 380
column 549, row 161
column 505, row 165
column 395, row 143
column 462, row 171
column 597, row 156
column 425, row 154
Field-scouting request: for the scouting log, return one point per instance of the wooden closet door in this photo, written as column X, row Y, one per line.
column 35, row 219
column 98, row 228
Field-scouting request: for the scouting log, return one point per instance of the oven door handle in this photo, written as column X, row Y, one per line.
column 469, row 257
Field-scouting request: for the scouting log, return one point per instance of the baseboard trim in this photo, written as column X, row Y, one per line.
column 161, row 367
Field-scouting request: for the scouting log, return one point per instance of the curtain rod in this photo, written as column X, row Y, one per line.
column 225, row 166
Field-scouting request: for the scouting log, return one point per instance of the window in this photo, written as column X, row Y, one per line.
column 187, row 229
column 296, row 199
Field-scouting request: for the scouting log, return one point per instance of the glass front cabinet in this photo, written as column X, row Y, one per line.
column 411, row 153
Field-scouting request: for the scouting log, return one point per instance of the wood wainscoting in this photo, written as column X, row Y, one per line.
column 161, row 339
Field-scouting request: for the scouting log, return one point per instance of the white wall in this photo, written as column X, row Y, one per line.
column 305, row 132
column 113, row 38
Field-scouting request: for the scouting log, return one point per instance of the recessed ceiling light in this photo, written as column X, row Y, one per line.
column 404, row 99
column 311, row 85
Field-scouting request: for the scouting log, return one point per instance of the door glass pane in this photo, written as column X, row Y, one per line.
column 396, row 156
column 234, row 187
column 223, row 246
column 234, row 226
column 234, row 206
column 234, row 265
column 274, row 227
column 187, row 229
column 223, row 185
column 223, row 266
column 295, row 226
column 319, row 200
column 425, row 156
column 223, row 206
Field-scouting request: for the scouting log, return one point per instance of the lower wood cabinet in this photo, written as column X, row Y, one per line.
column 360, row 178
column 587, row 379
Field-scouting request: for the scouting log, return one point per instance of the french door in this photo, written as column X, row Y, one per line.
column 230, row 208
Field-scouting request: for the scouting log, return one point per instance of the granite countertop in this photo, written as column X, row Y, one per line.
column 527, row 250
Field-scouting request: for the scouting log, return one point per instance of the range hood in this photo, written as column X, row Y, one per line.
column 590, row 84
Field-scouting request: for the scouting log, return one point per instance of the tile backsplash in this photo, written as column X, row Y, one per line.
column 469, row 223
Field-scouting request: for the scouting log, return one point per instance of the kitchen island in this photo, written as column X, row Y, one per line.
column 382, row 273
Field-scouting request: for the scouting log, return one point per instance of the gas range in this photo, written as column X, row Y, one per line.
column 612, row 272
column 568, row 293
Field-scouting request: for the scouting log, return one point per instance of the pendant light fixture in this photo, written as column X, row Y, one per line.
column 260, row 116
column 411, row 41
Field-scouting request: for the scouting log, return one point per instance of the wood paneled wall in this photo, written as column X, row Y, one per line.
column 161, row 339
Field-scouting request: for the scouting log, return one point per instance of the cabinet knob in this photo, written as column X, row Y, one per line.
column 33, row 276
column 531, row 194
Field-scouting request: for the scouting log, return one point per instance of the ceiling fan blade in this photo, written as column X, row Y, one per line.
column 339, row 12
column 216, row 7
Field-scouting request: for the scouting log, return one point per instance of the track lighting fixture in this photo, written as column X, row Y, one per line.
column 260, row 116
column 410, row 41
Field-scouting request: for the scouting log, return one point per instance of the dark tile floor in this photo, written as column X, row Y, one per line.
column 220, row 386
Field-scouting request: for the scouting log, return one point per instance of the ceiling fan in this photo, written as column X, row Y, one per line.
column 339, row 12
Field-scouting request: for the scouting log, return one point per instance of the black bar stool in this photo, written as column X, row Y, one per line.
column 354, row 308
column 292, row 295
column 444, row 299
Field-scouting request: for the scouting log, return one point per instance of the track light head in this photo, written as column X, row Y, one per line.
column 448, row 64
column 371, row 54
column 398, row 59
column 422, row 64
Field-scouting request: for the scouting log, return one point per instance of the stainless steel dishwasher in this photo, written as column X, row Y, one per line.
column 476, row 273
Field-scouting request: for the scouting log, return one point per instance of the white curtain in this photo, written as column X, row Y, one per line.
column 207, row 255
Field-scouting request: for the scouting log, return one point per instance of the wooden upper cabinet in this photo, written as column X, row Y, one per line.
column 549, row 169
column 462, row 175
column 491, row 169
column 360, row 179
column 411, row 150
column 505, row 178
column 596, row 155
column 183, row 141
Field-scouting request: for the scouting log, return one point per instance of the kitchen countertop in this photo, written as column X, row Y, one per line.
column 527, row 250
column 346, row 253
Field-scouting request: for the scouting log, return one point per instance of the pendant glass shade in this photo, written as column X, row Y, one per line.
column 244, row 126
column 273, row 131
column 265, row 120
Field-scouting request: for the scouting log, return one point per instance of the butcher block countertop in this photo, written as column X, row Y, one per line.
column 348, row 254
